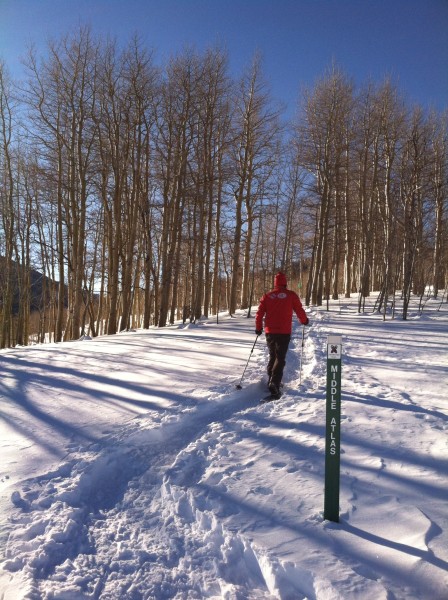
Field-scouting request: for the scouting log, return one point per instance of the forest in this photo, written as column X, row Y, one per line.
column 134, row 194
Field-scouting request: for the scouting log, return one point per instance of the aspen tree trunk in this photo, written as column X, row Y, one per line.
column 257, row 131
column 439, row 170
column 216, row 289
column 414, row 170
column 236, row 253
column 23, row 259
column 247, row 249
column 7, row 212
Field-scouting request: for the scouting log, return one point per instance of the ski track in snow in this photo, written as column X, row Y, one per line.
column 222, row 498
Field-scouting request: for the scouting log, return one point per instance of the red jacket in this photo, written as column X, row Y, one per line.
column 276, row 307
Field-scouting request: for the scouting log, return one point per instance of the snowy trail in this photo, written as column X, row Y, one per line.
column 187, row 488
column 79, row 492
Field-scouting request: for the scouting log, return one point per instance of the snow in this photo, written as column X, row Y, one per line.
column 132, row 468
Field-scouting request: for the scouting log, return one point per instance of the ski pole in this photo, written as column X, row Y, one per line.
column 239, row 387
column 301, row 354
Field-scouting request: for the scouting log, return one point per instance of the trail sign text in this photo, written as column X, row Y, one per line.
column 333, row 428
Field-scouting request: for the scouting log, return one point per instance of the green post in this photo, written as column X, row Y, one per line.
column 333, row 428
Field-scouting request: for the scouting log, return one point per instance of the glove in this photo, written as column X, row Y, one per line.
column 258, row 331
column 307, row 322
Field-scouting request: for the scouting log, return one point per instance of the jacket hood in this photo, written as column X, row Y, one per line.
column 280, row 280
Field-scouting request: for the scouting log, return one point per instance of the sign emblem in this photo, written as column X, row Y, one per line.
column 334, row 351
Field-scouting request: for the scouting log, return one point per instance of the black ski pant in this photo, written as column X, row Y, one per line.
column 278, row 347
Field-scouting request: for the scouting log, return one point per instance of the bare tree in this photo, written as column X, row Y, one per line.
column 174, row 138
column 414, row 182
column 439, row 198
column 391, row 115
column 323, row 136
column 257, row 132
column 7, row 208
column 60, row 96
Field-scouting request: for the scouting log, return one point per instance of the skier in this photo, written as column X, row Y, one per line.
column 276, row 308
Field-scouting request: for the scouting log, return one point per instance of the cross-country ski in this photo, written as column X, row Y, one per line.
column 270, row 398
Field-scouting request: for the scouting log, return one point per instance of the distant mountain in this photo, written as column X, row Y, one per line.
column 38, row 282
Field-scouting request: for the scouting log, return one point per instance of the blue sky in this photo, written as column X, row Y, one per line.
column 298, row 39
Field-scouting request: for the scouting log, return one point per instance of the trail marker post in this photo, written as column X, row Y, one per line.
column 333, row 428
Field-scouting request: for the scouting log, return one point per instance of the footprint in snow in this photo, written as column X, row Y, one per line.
column 278, row 465
column 265, row 491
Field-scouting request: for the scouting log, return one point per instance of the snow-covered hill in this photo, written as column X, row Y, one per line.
column 133, row 469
